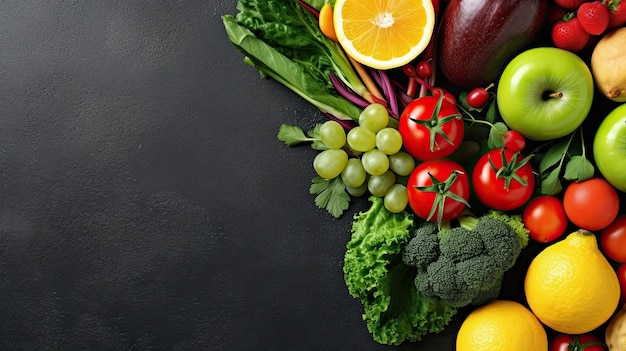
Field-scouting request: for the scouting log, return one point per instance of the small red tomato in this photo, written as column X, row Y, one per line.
column 438, row 190
column 503, row 180
column 613, row 239
column 591, row 204
column 545, row 218
column 478, row 97
column 621, row 276
column 582, row 342
column 514, row 141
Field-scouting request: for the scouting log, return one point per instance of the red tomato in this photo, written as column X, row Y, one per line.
column 503, row 180
column 591, row 204
column 613, row 239
column 545, row 217
column 514, row 141
column 583, row 342
column 431, row 128
column 438, row 190
column 621, row 276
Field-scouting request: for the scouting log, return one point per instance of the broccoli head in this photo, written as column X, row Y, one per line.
column 466, row 263
column 423, row 248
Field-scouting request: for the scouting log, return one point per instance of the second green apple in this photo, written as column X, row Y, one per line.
column 545, row 93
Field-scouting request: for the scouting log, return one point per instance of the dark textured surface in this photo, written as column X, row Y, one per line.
column 145, row 201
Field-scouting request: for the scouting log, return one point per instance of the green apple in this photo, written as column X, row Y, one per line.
column 609, row 147
column 545, row 93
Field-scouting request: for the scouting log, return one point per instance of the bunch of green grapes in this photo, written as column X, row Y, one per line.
column 368, row 158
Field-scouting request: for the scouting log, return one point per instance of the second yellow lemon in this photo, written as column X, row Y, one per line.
column 501, row 325
column 384, row 34
column 570, row 286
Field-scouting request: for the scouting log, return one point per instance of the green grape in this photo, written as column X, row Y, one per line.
column 389, row 140
column 361, row 139
column 332, row 134
column 396, row 198
column 374, row 117
column 329, row 163
column 379, row 185
column 401, row 163
column 357, row 191
column 353, row 175
column 375, row 162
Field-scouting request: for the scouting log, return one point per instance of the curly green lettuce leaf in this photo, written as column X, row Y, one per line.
column 394, row 310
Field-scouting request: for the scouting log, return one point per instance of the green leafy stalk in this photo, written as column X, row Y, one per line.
column 284, row 42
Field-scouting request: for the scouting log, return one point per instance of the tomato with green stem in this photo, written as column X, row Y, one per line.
column 582, row 342
column 438, row 190
column 503, row 180
column 431, row 128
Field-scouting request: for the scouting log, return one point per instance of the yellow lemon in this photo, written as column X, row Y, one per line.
column 501, row 325
column 384, row 34
column 570, row 286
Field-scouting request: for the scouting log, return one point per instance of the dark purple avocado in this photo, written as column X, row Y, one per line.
column 479, row 37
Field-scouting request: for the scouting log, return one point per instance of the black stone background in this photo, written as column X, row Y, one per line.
column 145, row 202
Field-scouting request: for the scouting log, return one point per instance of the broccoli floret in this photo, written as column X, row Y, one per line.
column 488, row 294
column 444, row 282
column 460, row 244
column 466, row 263
column 423, row 248
column 501, row 239
column 479, row 271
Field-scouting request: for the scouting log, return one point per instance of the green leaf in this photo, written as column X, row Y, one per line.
column 292, row 135
column 331, row 195
column 496, row 135
column 551, row 185
column 578, row 169
column 492, row 112
column 317, row 141
column 554, row 156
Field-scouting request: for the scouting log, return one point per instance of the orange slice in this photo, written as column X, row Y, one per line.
column 384, row 34
column 326, row 23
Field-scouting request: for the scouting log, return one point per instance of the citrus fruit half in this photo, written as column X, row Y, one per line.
column 384, row 34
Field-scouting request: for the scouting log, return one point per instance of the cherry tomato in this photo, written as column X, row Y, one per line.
column 424, row 69
column 621, row 276
column 431, row 128
column 613, row 239
column 503, row 180
column 438, row 190
column 514, row 140
column 545, row 218
column 582, row 342
column 478, row 97
column 591, row 204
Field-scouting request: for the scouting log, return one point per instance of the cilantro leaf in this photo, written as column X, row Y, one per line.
column 292, row 135
column 331, row 195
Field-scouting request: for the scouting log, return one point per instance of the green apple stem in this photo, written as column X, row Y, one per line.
column 556, row 94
